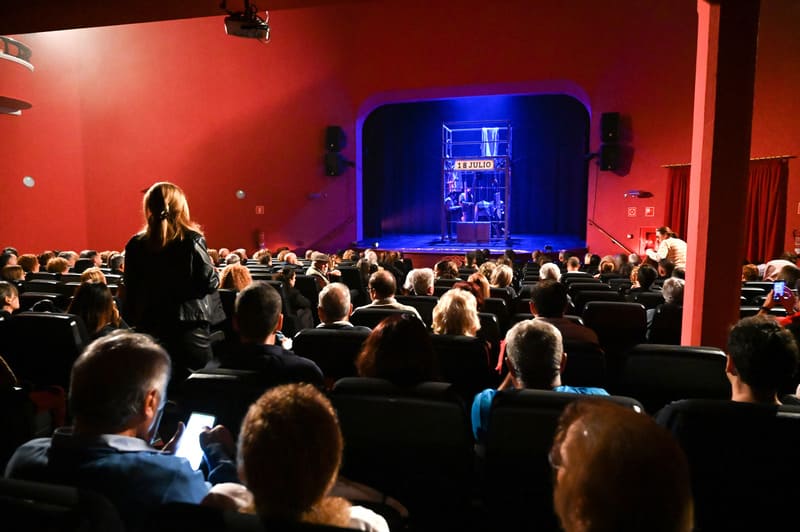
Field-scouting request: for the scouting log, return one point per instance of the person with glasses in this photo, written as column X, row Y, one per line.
column 117, row 394
column 616, row 469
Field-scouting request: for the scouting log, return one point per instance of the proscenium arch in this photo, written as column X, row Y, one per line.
column 533, row 88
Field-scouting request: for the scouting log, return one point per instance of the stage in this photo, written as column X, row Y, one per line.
column 433, row 244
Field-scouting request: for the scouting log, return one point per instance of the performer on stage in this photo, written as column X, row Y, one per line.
column 452, row 208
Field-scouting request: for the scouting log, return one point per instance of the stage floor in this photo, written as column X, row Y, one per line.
column 521, row 243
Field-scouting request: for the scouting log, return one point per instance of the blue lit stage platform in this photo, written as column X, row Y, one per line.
column 521, row 244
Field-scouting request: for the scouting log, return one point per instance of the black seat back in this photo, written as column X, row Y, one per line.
column 658, row 374
column 585, row 366
column 666, row 325
column 333, row 350
column 465, row 362
column 41, row 346
column 743, row 461
column 225, row 393
column 648, row 299
column 412, row 443
column 423, row 304
column 580, row 299
column 372, row 316
column 521, row 429
column 37, row 506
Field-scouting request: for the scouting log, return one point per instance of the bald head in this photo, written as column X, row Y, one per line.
column 382, row 285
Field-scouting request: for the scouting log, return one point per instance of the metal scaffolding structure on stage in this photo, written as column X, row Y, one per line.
column 476, row 181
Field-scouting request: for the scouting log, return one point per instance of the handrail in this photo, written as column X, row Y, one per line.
column 606, row 233
column 15, row 51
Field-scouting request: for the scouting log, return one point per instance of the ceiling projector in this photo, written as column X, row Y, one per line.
column 247, row 23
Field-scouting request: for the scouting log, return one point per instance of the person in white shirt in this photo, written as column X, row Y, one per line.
column 669, row 247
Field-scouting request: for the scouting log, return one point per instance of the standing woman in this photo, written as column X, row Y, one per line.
column 170, row 282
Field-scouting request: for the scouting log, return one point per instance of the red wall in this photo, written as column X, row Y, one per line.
column 117, row 108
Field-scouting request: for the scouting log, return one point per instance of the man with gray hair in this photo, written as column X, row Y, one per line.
column 535, row 359
column 419, row 282
column 117, row 393
column 335, row 308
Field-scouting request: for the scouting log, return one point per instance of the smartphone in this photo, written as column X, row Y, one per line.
column 189, row 446
column 778, row 289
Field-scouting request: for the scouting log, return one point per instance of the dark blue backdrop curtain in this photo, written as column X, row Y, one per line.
column 402, row 146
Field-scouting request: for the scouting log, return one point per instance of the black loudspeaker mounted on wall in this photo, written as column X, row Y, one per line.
column 610, row 156
column 609, row 127
column 335, row 138
column 335, row 163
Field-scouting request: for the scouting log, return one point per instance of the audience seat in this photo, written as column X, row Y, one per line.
column 753, row 295
column 352, row 278
column 580, row 299
column 658, row 374
column 307, row 285
column 225, row 393
column 41, row 346
column 423, row 304
column 334, row 350
column 746, row 311
column 49, row 276
column 743, row 459
column 465, row 362
column 619, row 326
column 371, row 317
column 500, row 308
column 666, row 325
column 648, row 299
column 176, row 516
column 517, row 478
column 37, row 506
column 490, row 332
column 17, row 419
column 41, row 285
column 500, row 293
column 577, row 277
column 620, row 285
column 586, row 365
column 414, row 444
column 28, row 299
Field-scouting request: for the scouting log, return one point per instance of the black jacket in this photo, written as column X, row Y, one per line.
column 177, row 283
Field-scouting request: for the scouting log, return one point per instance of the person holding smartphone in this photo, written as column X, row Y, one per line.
column 117, row 395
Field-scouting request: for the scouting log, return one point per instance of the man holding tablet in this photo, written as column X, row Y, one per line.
column 117, row 393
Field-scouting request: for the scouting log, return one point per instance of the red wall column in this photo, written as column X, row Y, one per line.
column 723, row 111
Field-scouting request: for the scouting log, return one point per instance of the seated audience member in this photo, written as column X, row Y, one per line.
column 70, row 256
column 672, row 292
column 242, row 253
column 573, row 264
column 213, row 254
column 419, row 282
column 616, row 469
column 117, row 393
column 445, row 269
column 548, row 302
column 258, row 317
column 535, row 358
column 607, row 269
column 750, row 273
column 456, row 313
column 94, row 304
column 679, row 273
column 44, row 258
column 320, row 268
column 549, row 271
column 298, row 303
column 382, row 288
column 634, row 260
column 223, row 254
column 645, row 277
column 263, row 256
column 502, row 277
column 790, row 274
column 12, row 273
column 621, row 265
column 400, row 350
column 487, row 269
column 232, row 258
column 592, row 263
column 281, row 433
column 116, row 262
column 471, row 260
column 29, row 263
column 762, row 358
column 58, row 265
column 291, row 258
column 235, row 277
column 479, row 280
column 665, row 268
column 8, row 259
column 335, row 308
column 9, row 299
column 92, row 254
column 664, row 321
column 474, row 288
column 93, row 275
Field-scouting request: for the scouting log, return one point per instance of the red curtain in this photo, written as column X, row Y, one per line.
column 678, row 199
column 765, row 214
